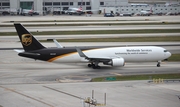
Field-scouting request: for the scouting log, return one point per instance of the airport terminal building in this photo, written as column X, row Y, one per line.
column 105, row 6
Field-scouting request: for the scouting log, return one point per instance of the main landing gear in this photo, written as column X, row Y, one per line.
column 158, row 63
column 94, row 66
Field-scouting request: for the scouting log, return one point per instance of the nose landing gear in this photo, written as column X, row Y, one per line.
column 158, row 63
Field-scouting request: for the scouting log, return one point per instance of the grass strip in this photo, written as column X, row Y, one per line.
column 137, row 77
column 123, row 39
column 94, row 24
column 98, row 32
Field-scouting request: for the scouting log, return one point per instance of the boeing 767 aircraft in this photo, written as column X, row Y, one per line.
column 113, row 56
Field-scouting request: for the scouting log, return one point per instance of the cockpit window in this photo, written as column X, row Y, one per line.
column 165, row 51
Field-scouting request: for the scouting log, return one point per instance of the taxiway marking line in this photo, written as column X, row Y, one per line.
column 63, row 92
column 26, row 96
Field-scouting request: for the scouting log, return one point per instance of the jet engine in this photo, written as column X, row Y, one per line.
column 116, row 62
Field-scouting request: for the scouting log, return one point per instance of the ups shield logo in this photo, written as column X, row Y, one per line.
column 26, row 39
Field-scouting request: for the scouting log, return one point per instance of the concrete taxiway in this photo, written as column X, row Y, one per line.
column 4, row 19
column 24, row 82
column 10, row 58
column 14, row 69
column 89, row 28
column 126, row 94
column 83, row 36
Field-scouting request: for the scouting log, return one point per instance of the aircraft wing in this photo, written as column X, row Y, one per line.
column 18, row 51
column 93, row 58
column 99, row 59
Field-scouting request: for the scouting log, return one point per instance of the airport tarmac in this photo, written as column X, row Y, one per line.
column 82, row 36
column 22, row 83
column 24, row 68
column 30, row 83
column 126, row 94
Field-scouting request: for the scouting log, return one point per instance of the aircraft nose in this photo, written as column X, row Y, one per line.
column 168, row 54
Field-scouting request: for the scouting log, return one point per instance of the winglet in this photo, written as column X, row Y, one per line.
column 81, row 54
column 57, row 43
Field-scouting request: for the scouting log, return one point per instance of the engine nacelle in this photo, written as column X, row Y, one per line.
column 116, row 62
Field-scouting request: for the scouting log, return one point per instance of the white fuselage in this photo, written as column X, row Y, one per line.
column 129, row 54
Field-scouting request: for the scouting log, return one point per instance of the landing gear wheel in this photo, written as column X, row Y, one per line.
column 96, row 67
column 89, row 65
column 93, row 66
column 158, row 65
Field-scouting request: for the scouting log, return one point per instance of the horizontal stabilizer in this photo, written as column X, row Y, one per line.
column 28, row 53
column 18, row 51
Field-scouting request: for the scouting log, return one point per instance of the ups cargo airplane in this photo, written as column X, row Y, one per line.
column 113, row 56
